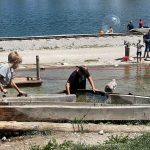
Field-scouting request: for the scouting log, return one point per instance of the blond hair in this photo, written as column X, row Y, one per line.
column 14, row 57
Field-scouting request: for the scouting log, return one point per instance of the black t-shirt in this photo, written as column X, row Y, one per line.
column 77, row 81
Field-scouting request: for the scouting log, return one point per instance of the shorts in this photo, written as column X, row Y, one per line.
column 147, row 47
column 139, row 53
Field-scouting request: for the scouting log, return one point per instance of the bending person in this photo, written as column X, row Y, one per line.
column 77, row 80
column 6, row 73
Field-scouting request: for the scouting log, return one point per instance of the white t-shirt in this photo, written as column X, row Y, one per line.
column 139, row 47
column 6, row 73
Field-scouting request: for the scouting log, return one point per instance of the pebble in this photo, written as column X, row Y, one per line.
column 4, row 139
column 116, row 65
column 101, row 132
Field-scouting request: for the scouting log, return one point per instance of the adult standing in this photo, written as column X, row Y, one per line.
column 146, row 39
column 141, row 23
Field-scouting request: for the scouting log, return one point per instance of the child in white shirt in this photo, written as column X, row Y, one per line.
column 139, row 50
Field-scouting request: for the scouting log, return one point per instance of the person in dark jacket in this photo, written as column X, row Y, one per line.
column 146, row 39
column 130, row 26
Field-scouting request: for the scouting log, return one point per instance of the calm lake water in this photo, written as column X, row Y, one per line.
column 53, row 17
column 133, row 79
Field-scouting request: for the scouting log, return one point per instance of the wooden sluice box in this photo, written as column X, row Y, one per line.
column 28, row 81
column 61, row 107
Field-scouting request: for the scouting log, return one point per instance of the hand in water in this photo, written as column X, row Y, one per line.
column 21, row 93
column 5, row 91
column 94, row 90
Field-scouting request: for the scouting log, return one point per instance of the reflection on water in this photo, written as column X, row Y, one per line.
column 133, row 79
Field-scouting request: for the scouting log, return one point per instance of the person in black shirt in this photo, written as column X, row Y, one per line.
column 130, row 26
column 146, row 39
column 77, row 80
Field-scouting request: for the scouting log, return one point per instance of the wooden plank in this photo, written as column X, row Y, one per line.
column 20, row 103
column 50, row 98
column 45, row 102
column 128, row 99
column 27, row 81
column 58, row 112
column 71, row 127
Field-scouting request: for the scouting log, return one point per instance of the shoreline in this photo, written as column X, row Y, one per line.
column 88, row 51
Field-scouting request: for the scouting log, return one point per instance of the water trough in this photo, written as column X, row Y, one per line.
column 57, row 107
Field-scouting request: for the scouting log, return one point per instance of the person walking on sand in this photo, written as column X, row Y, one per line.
column 6, row 73
column 77, row 80
column 139, row 50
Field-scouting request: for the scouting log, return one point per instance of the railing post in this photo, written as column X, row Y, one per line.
column 37, row 67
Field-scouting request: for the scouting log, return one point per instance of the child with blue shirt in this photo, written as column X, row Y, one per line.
column 6, row 73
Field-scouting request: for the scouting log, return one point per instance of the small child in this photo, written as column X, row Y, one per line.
column 139, row 50
column 6, row 72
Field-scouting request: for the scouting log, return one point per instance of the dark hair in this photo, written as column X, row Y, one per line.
column 82, row 70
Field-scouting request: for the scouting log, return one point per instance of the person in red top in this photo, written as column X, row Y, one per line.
column 141, row 23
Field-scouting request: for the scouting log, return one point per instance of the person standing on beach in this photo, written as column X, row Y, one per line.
column 77, row 80
column 146, row 39
column 141, row 23
column 139, row 50
column 110, row 30
column 130, row 26
column 6, row 73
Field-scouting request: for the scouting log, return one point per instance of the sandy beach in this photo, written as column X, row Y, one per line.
column 106, row 50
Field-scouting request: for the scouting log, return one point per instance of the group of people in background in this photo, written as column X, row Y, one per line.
column 130, row 26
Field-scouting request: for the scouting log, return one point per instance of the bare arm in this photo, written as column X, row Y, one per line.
column 68, row 88
column 92, row 83
column 2, row 89
column 13, row 84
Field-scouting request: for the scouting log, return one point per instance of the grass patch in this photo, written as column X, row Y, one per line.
column 114, row 143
